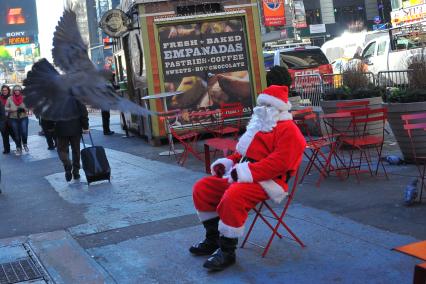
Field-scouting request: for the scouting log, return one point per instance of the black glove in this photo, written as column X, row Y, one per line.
column 234, row 174
column 219, row 169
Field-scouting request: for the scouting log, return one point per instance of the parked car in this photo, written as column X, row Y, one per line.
column 302, row 60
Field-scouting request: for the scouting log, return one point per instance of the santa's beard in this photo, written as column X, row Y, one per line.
column 264, row 119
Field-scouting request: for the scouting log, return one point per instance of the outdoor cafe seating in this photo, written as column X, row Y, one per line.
column 415, row 125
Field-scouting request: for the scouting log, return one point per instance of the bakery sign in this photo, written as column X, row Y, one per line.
column 115, row 23
column 408, row 15
column 198, row 56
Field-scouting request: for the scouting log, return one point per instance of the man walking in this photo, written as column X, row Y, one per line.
column 68, row 132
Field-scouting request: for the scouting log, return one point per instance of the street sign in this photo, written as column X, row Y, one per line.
column 379, row 27
column 377, row 20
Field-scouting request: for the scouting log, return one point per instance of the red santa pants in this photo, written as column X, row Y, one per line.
column 214, row 196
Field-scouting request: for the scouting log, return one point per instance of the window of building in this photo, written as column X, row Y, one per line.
column 313, row 17
column 351, row 17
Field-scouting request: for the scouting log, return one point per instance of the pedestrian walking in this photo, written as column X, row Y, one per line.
column 48, row 128
column 5, row 128
column 68, row 133
column 18, row 118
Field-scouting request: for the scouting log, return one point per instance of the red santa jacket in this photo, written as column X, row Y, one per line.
column 273, row 157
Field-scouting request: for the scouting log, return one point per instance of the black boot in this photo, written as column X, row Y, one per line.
column 223, row 256
column 211, row 243
column 68, row 174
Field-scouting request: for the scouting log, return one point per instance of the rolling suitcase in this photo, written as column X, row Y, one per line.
column 95, row 162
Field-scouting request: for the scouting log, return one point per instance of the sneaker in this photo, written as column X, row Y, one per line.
column 6, row 151
column 51, row 148
column 18, row 152
column 26, row 148
column 109, row 133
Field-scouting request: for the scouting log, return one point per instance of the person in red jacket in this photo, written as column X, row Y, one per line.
column 267, row 155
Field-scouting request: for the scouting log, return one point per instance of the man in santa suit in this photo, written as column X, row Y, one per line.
column 267, row 155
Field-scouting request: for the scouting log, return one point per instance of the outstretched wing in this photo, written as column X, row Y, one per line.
column 52, row 95
column 44, row 94
column 99, row 93
column 69, row 51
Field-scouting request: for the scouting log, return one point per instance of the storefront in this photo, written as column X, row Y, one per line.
column 211, row 52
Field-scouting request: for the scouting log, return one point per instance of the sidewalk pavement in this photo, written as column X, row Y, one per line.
column 138, row 229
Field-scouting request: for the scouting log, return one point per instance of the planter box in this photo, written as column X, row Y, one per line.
column 395, row 110
column 343, row 125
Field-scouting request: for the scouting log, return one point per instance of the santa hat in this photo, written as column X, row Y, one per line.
column 276, row 96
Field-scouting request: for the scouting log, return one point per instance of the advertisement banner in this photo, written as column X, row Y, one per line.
column 274, row 13
column 208, row 62
column 18, row 16
column 408, row 15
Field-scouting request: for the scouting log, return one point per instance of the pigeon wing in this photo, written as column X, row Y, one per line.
column 69, row 50
column 45, row 94
column 99, row 93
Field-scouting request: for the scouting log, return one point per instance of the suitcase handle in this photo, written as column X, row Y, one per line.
column 91, row 139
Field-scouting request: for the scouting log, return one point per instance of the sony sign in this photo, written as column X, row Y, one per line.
column 15, row 34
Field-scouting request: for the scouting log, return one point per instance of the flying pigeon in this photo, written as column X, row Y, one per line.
column 52, row 94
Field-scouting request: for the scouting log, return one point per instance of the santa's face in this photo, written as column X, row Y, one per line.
column 264, row 118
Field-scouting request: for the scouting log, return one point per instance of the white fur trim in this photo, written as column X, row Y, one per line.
column 245, row 141
column 230, row 232
column 273, row 101
column 275, row 192
column 244, row 173
column 228, row 163
column 204, row 215
column 285, row 115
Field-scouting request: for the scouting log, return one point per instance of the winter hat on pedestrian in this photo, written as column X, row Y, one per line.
column 276, row 96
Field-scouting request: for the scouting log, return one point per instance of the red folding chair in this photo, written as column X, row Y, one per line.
column 368, row 131
column 320, row 149
column 229, row 121
column 187, row 137
column 277, row 216
column 416, row 124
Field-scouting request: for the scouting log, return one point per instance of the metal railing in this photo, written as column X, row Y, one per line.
column 310, row 88
column 396, row 78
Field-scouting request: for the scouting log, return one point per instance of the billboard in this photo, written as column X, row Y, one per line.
column 18, row 18
column 273, row 13
column 208, row 62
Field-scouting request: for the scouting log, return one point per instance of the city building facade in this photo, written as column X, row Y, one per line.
column 89, row 13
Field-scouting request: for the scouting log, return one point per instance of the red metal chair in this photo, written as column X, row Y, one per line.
column 368, row 131
column 415, row 123
column 229, row 122
column 277, row 216
column 321, row 148
column 186, row 136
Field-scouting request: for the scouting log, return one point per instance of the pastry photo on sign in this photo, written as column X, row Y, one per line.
column 207, row 62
